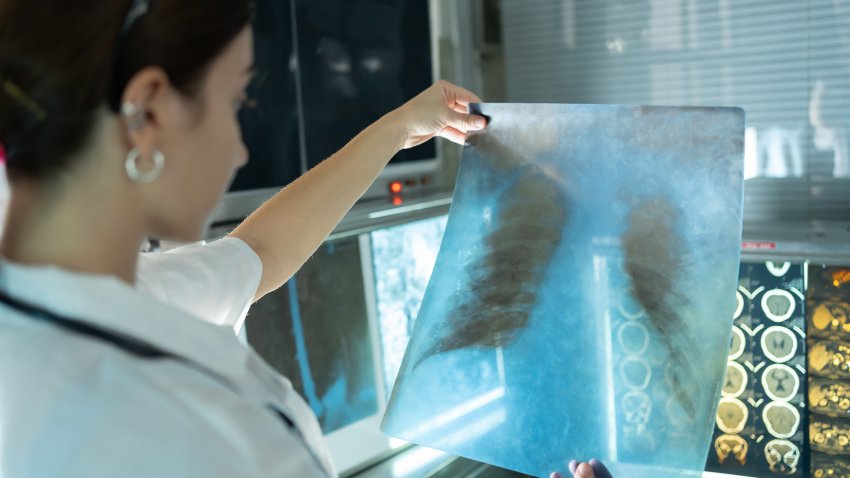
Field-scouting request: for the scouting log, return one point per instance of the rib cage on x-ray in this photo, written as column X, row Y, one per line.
column 503, row 280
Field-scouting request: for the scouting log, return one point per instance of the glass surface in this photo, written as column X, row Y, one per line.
column 561, row 320
column 358, row 61
column 347, row 63
column 321, row 341
column 403, row 259
column 270, row 126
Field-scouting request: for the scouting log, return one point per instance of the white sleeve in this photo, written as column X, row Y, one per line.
column 215, row 282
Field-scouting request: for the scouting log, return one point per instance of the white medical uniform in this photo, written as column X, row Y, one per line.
column 76, row 406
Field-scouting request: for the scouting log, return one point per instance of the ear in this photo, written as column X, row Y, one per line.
column 147, row 101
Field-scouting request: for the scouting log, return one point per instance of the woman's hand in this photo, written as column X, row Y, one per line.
column 592, row 469
column 441, row 110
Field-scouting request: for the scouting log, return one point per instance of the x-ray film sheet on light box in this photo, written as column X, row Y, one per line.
column 580, row 304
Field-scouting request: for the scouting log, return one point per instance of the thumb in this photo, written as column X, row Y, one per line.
column 466, row 122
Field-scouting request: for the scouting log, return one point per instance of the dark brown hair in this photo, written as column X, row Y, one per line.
column 61, row 64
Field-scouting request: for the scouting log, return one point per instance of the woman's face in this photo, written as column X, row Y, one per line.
column 203, row 146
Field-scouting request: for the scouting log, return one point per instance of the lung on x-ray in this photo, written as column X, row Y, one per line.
column 579, row 306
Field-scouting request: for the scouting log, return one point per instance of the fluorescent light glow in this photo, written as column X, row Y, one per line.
column 410, row 208
column 461, row 410
column 416, row 459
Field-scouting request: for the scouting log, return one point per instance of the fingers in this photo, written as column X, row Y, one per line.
column 441, row 110
column 593, row 469
column 454, row 135
column 460, row 108
column 583, row 471
column 460, row 95
column 466, row 122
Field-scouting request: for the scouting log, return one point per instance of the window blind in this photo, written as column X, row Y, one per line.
column 786, row 62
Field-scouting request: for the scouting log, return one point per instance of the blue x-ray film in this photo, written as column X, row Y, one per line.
column 580, row 304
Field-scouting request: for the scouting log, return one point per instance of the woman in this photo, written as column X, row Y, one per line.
column 119, row 122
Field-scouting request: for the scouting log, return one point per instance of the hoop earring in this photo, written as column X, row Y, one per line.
column 138, row 176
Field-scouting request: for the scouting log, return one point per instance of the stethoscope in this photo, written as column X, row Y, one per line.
column 137, row 348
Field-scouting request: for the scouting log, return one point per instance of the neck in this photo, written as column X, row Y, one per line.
column 81, row 229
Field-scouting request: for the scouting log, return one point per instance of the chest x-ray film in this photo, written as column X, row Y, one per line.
column 580, row 304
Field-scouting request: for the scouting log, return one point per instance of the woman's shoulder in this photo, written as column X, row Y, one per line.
column 215, row 282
